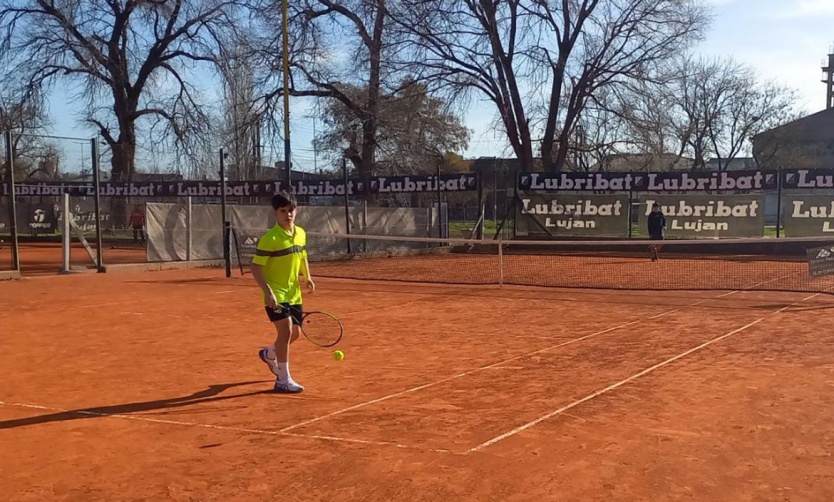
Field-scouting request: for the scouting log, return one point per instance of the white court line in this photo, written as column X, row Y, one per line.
column 223, row 427
column 453, row 377
column 466, row 373
column 499, row 363
column 389, row 307
column 627, row 380
column 283, row 432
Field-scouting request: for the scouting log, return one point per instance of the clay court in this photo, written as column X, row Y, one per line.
column 44, row 258
column 147, row 386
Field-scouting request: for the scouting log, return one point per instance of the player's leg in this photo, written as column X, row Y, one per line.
column 297, row 313
column 277, row 355
column 653, row 247
column 284, row 381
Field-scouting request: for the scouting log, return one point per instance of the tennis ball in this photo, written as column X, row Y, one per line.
column 338, row 355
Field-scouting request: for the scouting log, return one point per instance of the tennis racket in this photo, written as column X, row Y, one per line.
column 321, row 328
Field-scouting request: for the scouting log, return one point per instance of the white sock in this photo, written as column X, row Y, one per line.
column 284, row 372
column 270, row 352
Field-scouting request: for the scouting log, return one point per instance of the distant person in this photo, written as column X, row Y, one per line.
column 137, row 223
column 657, row 224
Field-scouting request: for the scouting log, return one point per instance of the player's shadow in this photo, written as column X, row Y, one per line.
column 209, row 395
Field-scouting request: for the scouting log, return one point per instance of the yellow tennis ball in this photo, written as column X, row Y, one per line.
column 338, row 355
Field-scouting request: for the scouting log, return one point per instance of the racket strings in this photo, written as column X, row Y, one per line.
column 322, row 329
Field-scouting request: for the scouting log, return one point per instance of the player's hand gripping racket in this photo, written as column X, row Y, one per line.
column 321, row 328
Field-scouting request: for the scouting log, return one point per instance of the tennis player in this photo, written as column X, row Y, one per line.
column 280, row 258
column 656, row 223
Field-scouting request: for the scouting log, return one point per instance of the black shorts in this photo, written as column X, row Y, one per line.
column 281, row 314
column 656, row 237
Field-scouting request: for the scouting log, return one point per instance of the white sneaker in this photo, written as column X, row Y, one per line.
column 272, row 363
column 290, row 387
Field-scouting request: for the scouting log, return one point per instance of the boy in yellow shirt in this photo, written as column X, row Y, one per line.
column 280, row 258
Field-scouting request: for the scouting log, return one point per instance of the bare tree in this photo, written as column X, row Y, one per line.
column 132, row 57
column 600, row 136
column 541, row 61
column 751, row 108
column 242, row 120
column 24, row 114
column 703, row 109
column 338, row 45
column 414, row 131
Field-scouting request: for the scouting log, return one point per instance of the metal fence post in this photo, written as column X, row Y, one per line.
column 12, row 202
column 97, row 184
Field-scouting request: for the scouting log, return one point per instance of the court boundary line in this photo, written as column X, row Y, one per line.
column 142, row 418
column 627, row 380
column 285, row 431
column 499, row 363
column 323, row 437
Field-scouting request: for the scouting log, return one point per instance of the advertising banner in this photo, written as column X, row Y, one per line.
column 321, row 188
column 682, row 181
column 565, row 215
column 808, row 215
column 694, row 216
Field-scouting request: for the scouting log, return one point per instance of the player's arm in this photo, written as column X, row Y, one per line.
column 258, row 262
column 305, row 271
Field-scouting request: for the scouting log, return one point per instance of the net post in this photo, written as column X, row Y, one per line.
column 364, row 220
column 188, row 229
column 97, row 199
column 779, row 204
column 12, row 202
column 500, row 262
column 66, row 228
column 479, row 228
column 347, row 202
column 515, row 196
column 364, row 217
column 439, row 203
column 437, row 173
column 227, row 259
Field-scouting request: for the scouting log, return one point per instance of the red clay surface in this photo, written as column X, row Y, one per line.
column 147, row 386
column 44, row 258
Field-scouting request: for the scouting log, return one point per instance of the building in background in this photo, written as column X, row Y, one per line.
column 807, row 143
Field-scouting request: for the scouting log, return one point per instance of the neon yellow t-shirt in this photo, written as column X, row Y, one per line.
column 281, row 255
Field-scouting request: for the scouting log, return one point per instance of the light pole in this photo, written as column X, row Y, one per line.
column 286, row 61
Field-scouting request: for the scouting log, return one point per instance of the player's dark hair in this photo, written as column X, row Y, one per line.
column 284, row 199
column 655, row 206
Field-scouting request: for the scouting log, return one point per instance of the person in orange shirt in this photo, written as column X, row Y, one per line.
column 137, row 223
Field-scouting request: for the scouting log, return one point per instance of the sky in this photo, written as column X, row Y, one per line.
column 782, row 40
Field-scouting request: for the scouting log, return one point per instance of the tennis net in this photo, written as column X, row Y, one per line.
column 766, row 264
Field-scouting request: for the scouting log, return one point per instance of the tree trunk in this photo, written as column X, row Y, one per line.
column 552, row 117
column 368, row 160
column 369, row 122
column 368, row 146
column 372, row 107
column 122, row 168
